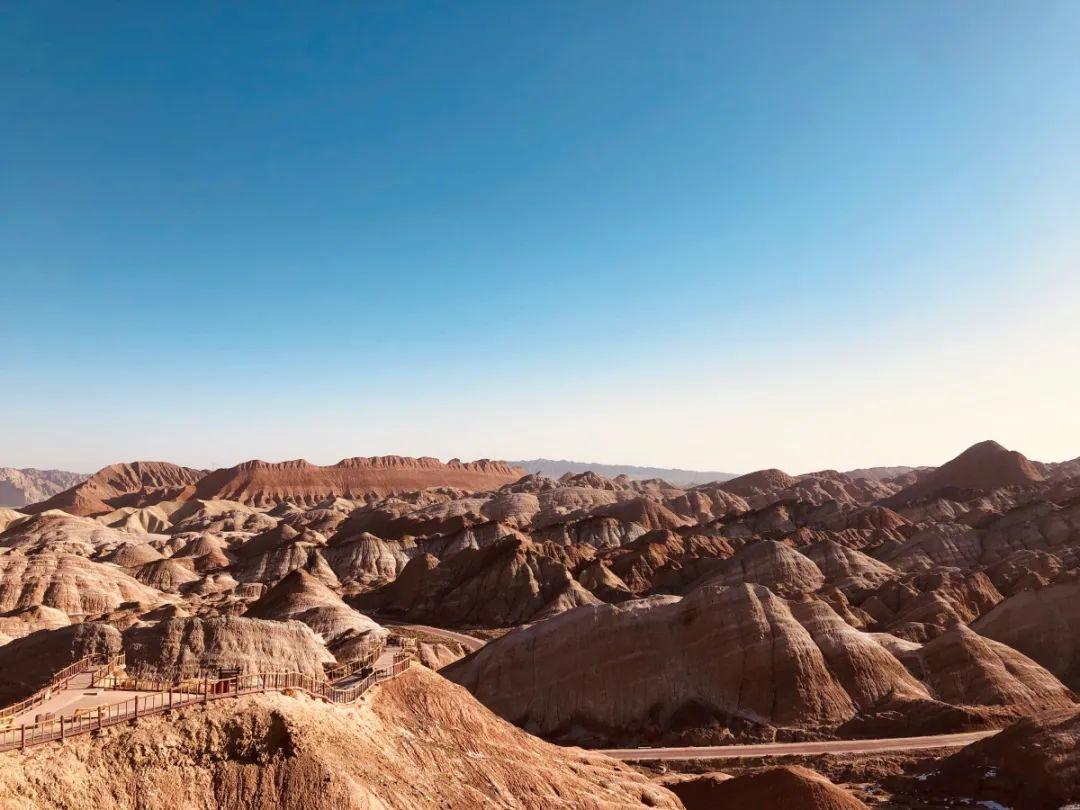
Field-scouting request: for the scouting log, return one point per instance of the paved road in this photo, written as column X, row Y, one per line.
column 788, row 749
column 470, row 643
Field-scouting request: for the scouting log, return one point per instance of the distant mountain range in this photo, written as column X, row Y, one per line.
column 559, row 467
column 143, row 483
column 22, row 487
column 19, row 487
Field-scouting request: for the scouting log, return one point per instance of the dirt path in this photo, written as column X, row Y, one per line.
column 787, row 749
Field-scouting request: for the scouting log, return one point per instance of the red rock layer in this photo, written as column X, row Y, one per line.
column 263, row 483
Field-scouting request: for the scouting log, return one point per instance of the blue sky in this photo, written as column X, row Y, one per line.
column 722, row 236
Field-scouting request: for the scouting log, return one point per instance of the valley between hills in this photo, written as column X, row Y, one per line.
column 812, row 617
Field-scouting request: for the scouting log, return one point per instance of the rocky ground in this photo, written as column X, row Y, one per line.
column 415, row 742
column 616, row 612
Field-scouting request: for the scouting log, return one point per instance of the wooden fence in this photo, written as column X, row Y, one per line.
column 365, row 659
column 58, row 681
column 187, row 693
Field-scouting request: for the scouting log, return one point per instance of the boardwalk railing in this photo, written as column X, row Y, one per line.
column 58, row 681
column 365, row 659
column 109, row 667
column 168, row 696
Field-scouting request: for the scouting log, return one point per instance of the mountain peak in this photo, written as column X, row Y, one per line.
column 984, row 466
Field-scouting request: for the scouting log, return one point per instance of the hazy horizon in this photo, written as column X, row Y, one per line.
column 805, row 235
column 511, row 460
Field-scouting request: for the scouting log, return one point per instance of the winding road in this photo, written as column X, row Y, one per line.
column 470, row 643
column 800, row 748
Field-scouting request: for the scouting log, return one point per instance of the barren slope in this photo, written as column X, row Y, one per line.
column 139, row 483
column 414, row 742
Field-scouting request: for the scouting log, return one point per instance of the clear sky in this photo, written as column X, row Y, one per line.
column 711, row 235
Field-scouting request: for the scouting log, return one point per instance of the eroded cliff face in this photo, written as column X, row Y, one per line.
column 414, row 742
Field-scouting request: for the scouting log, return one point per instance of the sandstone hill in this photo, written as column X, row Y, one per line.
column 1042, row 623
column 985, row 467
column 414, row 742
column 303, row 597
column 883, row 474
column 251, row 645
column 1034, row 764
column 27, row 663
column 739, row 657
column 781, row 787
column 507, row 583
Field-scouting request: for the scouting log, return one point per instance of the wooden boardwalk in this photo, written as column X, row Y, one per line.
column 104, row 680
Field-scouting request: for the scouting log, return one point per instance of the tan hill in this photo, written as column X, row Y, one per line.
column 1043, row 624
column 23, row 621
column 507, row 583
column 21, row 487
column 165, row 575
column 70, row 583
column 269, row 556
column 962, row 667
column 305, row 598
column 145, row 483
column 777, row 566
column 252, row 645
column 1034, row 764
column 758, row 483
column 789, row 786
column 983, row 467
column 263, row 483
column 414, row 742
column 138, row 483
column 824, row 613
column 10, row 518
column 365, row 558
column 738, row 657
column 765, row 487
